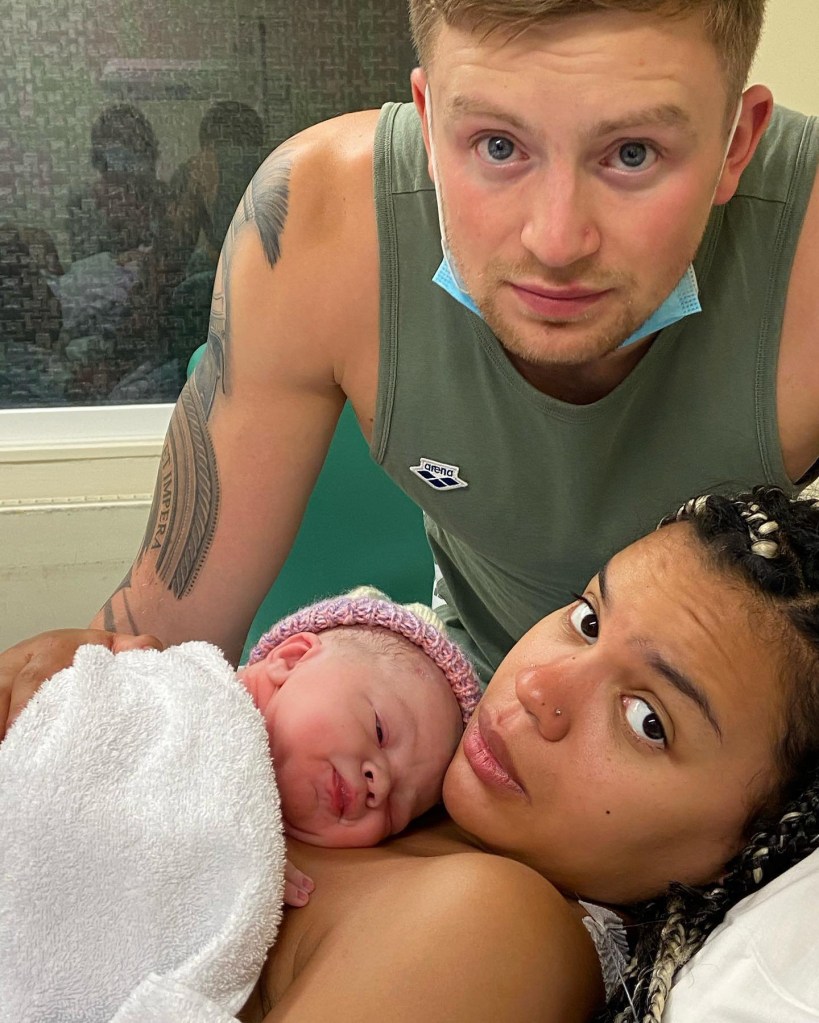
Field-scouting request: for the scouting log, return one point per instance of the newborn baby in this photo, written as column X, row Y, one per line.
column 143, row 859
column 364, row 702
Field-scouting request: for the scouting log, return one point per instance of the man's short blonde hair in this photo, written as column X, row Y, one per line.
column 733, row 26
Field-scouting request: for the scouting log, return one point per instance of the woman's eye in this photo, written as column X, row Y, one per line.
column 496, row 148
column 632, row 156
column 645, row 722
column 584, row 621
column 379, row 731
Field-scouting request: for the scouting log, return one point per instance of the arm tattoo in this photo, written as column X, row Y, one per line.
column 108, row 611
column 265, row 203
column 186, row 503
column 185, row 508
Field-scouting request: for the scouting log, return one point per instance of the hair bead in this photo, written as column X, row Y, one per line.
column 768, row 527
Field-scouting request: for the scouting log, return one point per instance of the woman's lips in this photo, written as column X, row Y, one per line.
column 488, row 756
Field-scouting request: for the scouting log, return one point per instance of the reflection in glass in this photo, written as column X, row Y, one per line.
column 130, row 131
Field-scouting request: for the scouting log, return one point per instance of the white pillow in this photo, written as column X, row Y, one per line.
column 761, row 965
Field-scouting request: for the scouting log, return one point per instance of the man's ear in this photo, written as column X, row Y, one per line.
column 418, row 81
column 757, row 107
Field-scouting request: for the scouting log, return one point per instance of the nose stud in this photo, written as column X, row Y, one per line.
column 558, row 712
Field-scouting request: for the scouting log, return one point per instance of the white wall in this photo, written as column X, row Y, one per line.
column 787, row 60
column 74, row 501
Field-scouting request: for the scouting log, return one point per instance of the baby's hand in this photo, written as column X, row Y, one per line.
column 297, row 886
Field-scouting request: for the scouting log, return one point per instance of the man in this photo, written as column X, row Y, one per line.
column 585, row 152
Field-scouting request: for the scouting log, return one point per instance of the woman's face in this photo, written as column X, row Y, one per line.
column 626, row 739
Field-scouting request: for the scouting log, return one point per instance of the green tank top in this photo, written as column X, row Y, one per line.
column 553, row 489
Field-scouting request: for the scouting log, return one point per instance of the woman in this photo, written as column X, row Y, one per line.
column 647, row 736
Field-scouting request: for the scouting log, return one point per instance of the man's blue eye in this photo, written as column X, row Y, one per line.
column 499, row 148
column 633, row 154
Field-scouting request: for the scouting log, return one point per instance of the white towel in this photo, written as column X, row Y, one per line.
column 142, row 856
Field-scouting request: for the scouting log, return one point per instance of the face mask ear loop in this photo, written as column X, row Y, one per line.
column 435, row 175
column 733, row 131
column 731, row 134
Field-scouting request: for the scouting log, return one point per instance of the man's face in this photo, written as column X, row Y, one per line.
column 578, row 164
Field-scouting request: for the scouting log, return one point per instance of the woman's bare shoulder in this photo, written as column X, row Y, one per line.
column 503, row 904
column 465, row 936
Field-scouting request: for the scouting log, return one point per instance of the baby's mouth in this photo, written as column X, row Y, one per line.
column 339, row 795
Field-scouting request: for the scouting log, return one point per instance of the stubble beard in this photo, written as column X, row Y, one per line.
column 542, row 343
column 546, row 343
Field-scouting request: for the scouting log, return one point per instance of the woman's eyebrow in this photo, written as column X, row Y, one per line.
column 685, row 686
column 683, row 683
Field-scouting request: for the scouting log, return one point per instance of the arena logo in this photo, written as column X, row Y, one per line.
column 439, row 475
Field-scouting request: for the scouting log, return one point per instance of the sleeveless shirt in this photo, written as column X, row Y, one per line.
column 554, row 489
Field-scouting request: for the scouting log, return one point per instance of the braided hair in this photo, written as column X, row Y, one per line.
column 772, row 543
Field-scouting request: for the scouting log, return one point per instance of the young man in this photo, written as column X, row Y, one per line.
column 546, row 402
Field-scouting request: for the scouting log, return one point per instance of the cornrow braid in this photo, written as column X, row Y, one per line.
column 772, row 542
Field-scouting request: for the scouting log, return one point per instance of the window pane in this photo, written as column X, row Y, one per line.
column 128, row 132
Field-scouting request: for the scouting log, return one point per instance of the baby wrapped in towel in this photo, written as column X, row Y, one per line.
column 143, row 860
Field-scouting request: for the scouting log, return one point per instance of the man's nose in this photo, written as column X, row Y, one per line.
column 559, row 229
column 550, row 694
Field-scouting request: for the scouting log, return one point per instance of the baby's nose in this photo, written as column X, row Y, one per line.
column 377, row 781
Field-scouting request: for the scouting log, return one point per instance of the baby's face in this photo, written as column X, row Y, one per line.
column 360, row 740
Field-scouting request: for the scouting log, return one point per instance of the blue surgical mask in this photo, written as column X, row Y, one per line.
column 683, row 301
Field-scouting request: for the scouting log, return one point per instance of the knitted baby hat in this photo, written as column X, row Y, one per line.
column 370, row 607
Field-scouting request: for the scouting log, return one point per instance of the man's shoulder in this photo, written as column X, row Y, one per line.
column 320, row 181
column 333, row 155
column 313, row 259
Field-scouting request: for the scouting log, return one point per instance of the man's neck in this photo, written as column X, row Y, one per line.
column 584, row 383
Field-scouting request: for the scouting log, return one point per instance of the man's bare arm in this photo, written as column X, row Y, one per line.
column 251, row 428
column 294, row 330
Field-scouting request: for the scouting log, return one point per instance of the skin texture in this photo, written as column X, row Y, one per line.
column 252, row 430
column 360, row 737
column 600, row 807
